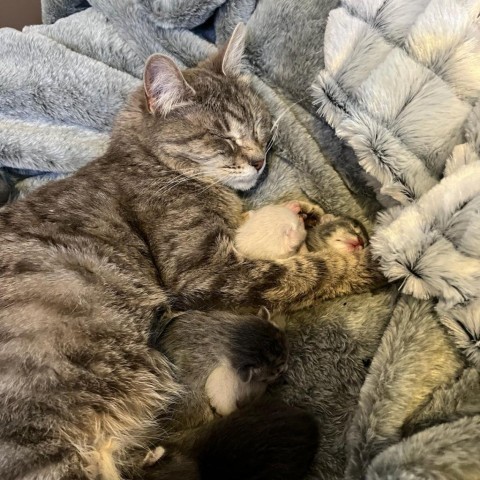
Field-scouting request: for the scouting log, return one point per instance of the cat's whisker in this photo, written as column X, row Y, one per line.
column 284, row 111
column 178, row 181
column 220, row 180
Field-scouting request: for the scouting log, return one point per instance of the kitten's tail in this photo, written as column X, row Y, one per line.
column 265, row 441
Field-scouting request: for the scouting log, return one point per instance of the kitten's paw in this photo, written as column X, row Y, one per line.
column 310, row 212
column 153, row 456
column 327, row 218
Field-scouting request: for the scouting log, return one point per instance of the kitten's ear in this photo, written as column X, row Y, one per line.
column 228, row 60
column 165, row 87
column 264, row 313
column 279, row 320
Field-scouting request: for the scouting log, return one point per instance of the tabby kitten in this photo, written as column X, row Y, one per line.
column 86, row 261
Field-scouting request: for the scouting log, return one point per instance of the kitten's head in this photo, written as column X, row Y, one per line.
column 259, row 348
column 209, row 117
column 343, row 234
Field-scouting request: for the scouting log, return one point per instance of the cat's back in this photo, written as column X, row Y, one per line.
column 69, row 240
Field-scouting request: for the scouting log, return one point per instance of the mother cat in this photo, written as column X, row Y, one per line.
column 86, row 261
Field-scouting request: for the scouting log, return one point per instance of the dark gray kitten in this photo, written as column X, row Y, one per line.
column 231, row 362
column 86, row 261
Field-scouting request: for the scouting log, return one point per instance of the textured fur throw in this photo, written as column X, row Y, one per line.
column 399, row 84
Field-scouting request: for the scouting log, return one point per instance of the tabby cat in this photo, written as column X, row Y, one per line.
column 85, row 263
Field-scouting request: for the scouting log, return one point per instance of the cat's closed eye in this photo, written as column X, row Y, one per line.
column 228, row 140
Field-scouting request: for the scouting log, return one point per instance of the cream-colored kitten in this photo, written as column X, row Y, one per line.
column 272, row 232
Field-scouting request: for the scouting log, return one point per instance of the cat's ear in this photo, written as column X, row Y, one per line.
column 277, row 319
column 228, row 60
column 165, row 86
column 264, row 313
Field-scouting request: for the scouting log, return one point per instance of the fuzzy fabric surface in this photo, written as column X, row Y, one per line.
column 401, row 85
column 392, row 378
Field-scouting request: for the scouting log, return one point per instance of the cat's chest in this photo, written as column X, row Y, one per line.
column 207, row 204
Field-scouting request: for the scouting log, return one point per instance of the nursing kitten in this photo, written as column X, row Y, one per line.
column 272, row 232
column 231, row 358
column 256, row 442
column 85, row 262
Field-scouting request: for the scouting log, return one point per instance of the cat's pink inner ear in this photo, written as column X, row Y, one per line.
column 232, row 58
column 165, row 86
column 228, row 60
column 264, row 313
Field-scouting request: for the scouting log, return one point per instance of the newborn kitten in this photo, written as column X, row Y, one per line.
column 256, row 442
column 272, row 232
column 344, row 234
column 232, row 361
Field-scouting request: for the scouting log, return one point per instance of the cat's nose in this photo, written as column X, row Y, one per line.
column 356, row 243
column 257, row 163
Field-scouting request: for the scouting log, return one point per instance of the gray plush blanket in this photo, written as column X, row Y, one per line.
column 392, row 377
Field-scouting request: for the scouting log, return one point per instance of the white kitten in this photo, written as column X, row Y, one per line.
column 272, row 232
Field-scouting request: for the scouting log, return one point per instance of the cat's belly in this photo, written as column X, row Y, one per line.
column 77, row 372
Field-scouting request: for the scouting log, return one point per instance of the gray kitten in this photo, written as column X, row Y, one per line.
column 85, row 262
column 232, row 361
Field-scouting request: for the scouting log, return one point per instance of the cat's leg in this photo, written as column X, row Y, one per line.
column 280, row 284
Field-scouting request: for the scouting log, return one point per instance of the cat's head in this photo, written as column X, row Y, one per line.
column 209, row 116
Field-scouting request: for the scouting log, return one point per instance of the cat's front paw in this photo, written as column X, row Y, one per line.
column 153, row 456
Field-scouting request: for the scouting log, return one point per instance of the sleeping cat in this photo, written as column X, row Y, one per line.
column 85, row 262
